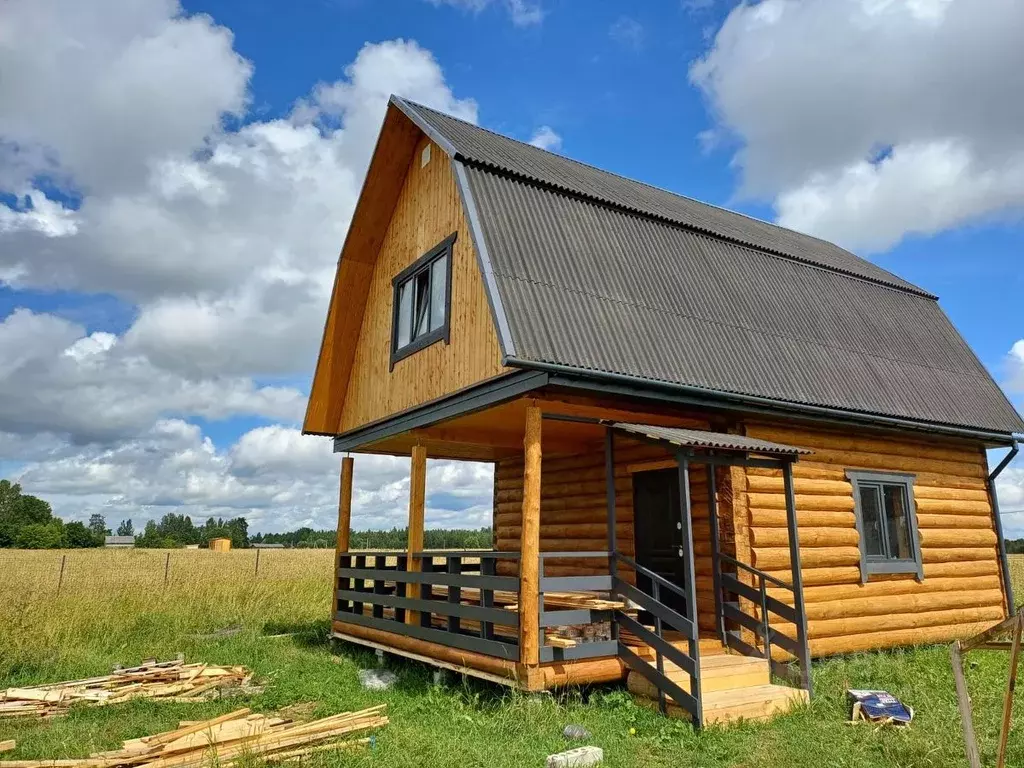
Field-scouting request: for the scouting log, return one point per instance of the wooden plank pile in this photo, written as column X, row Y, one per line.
column 166, row 680
column 228, row 740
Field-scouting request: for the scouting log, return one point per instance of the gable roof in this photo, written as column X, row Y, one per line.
column 596, row 273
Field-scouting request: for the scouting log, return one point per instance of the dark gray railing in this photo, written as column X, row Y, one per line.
column 663, row 649
column 767, row 635
column 575, row 616
column 456, row 603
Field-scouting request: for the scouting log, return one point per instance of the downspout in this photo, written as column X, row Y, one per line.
column 1004, row 564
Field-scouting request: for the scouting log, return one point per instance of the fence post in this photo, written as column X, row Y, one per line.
column 60, row 579
column 257, row 563
column 167, row 567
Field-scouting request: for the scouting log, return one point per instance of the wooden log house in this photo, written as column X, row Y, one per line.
column 721, row 447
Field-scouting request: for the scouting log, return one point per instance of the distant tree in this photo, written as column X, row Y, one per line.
column 238, row 532
column 40, row 535
column 18, row 510
column 126, row 528
column 98, row 525
column 77, row 535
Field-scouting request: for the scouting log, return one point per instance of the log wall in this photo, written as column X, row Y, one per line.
column 962, row 588
column 573, row 515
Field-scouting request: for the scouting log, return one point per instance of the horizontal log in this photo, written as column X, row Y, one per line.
column 826, row 593
column 946, row 506
column 936, row 537
column 985, row 567
column 569, row 531
column 958, row 522
column 896, row 622
column 778, row 557
column 594, row 501
column 801, row 485
column 837, row 472
column 809, row 537
column 778, row 501
column 819, row 575
column 958, row 451
column 869, row 641
column 944, row 493
column 567, row 517
column 776, row 518
column 958, row 555
column 904, row 604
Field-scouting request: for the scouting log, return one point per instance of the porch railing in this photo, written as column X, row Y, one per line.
column 688, row 661
column 445, row 597
column 576, row 616
column 766, row 637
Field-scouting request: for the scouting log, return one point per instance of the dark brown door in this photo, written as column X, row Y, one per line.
column 657, row 531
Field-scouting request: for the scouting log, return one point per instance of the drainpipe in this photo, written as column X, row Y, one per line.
column 1010, row 605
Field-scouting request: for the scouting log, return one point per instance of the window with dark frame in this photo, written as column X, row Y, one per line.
column 422, row 302
column 887, row 523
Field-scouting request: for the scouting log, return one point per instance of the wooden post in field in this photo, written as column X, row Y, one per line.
column 529, row 543
column 417, row 499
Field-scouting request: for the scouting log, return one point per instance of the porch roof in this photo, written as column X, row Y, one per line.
column 719, row 441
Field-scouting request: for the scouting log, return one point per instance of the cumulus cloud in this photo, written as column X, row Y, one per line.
column 1013, row 369
column 131, row 168
column 869, row 120
column 546, row 138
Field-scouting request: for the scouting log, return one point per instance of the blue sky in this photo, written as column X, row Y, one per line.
column 192, row 172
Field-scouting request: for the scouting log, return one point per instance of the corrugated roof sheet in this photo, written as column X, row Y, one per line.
column 500, row 152
column 596, row 287
column 695, row 438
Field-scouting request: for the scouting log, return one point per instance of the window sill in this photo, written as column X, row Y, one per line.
column 892, row 568
column 427, row 340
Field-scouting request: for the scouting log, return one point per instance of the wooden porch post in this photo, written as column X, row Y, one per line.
column 529, row 543
column 344, row 507
column 417, row 499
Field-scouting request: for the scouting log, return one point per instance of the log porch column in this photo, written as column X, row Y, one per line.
column 344, row 507
column 417, row 498
column 529, row 543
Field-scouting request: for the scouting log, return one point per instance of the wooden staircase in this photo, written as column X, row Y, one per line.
column 733, row 687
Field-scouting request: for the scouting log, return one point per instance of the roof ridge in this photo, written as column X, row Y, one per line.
column 897, row 283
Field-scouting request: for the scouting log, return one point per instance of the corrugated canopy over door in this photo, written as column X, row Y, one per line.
column 717, row 441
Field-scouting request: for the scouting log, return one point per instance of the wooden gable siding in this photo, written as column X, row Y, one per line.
column 961, row 592
column 427, row 211
column 573, row 516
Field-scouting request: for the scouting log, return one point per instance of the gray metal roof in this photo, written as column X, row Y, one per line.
column 601, row 274
column 500, row 152
column 719, row 441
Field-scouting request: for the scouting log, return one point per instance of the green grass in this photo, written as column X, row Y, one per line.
column 463, row 722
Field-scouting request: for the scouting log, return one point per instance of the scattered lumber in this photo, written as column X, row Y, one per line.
column 7, row 745
column 167, row 680
column 558, row 641
column 229, row 740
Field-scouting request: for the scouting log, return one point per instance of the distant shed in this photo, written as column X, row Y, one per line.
column 220, row 545
column 119, row 542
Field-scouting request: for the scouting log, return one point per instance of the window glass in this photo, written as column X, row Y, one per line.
column 899, row 525
column 871, row 510
column 404, row 314
column 421, row 303
column 438, row 292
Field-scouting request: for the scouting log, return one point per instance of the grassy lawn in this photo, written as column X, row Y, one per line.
column 89, row 627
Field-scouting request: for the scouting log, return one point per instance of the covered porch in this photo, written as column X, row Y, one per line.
column 566, row 598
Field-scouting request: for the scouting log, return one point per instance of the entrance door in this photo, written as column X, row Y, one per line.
column 657, row 531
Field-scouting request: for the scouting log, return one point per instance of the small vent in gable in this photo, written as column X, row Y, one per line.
column 425, row 156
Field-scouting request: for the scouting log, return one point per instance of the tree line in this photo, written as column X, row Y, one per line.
column 28, row 522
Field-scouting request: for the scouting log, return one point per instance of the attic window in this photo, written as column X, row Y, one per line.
column 421, row 302
column 887, row 523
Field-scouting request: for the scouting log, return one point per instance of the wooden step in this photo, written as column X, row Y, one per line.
column 708, row 646
column 757, row 703
column 717, row 673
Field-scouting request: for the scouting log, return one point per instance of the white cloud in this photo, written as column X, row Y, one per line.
column 222, row 238
column 868, row 120
column 546, row 138
column 274, row 476
column 627, row 32
column 522, row 12
column 1013, row 369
